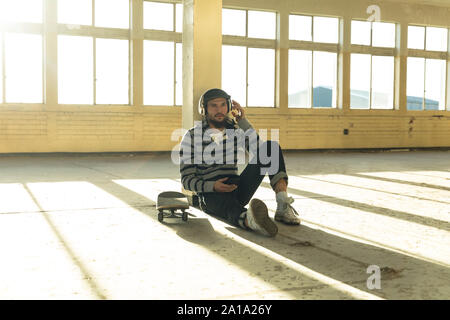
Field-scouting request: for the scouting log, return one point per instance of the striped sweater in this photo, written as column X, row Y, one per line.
column 207, row 154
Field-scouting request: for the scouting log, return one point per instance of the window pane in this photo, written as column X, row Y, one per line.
column 75, row 12
column 112, row 13
column 21, row 10
column 361, row 32
column 261, row 77
column 435, row 84
column 416, row 37
column 233, row 22
column 383, row 34
column 179, row 17
column 300, row 72
column 158, row 16
column 382, row 82
column 300, row 28
column 415, row 83
column 360, row 81
column 324, row 75
column 326, row 30
column 436, row 39
column 75, row 70
column 158, row 72
column 179, row 75
column 234, row 76
column 111, row 71
column 23, row 68
column 262, row 24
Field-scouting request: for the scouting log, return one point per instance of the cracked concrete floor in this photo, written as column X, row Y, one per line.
column 85, row 227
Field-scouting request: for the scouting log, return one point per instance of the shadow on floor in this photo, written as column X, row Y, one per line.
column 416, row 184
column 330, row 255
column 426, row 221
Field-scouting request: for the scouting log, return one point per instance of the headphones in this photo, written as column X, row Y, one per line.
column 212, row 94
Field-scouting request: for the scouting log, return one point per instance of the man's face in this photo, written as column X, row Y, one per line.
column 217, row 111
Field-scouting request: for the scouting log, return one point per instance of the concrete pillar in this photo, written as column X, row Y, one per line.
column 282, row 72
column 50, row 54
column 401, row 59
column 282, row 55
column 448, row 73
column 202, row 53
column 344, row 64
column 137, row 53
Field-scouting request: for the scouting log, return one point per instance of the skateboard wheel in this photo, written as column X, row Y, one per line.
column 160, row 216
column 184, row 216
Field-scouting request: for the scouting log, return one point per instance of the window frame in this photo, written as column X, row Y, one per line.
column 431, row 54
column 93, row 32
column 168, row 36
column 50, row 29
column 313, row 46
column 254, row 43
column 374, row 51
column 21, row 28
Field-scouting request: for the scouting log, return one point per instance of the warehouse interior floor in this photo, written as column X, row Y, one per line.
column 376, row 225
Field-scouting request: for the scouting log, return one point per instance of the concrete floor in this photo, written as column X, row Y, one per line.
column 85, row 227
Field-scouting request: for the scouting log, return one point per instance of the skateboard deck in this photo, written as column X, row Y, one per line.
column 172, row 204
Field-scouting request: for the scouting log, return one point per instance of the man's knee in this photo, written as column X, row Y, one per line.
column 269, row 157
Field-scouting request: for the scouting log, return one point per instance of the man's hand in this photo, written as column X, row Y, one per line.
column 237, row 111
column 219, row 186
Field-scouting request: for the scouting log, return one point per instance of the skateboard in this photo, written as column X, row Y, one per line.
column 172, row 204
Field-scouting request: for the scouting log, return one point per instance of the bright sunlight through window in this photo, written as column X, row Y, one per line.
column 261, row 24
column 23, row 68
column 233, row 22
column 360, row 81
column 233, row 72
column 300, row 74
column 112, row 13
column 300, row 28
column 158, row 16
column 111, row 71
column 326, row 30
column 158, row 72
column 21, row 11
column 361, row 32
column 261, row 77
column 75, row 70
column 75, row 12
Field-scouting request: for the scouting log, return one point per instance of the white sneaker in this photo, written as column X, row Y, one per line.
column 258, row 219
column 288, row 215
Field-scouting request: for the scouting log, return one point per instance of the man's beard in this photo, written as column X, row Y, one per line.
column 217, row 124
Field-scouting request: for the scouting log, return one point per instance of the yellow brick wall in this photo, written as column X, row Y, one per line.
column 48, row 131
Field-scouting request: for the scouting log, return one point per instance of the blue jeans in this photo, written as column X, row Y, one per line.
column 229, row 206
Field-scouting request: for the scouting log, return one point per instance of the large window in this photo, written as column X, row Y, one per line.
column 93, row 63
column 163, row 53
column 427, row 68
column 248, row 56
column 372, row 65
column 312, row 61
column 21, row 51
column 84, row 57
column 92, row 50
